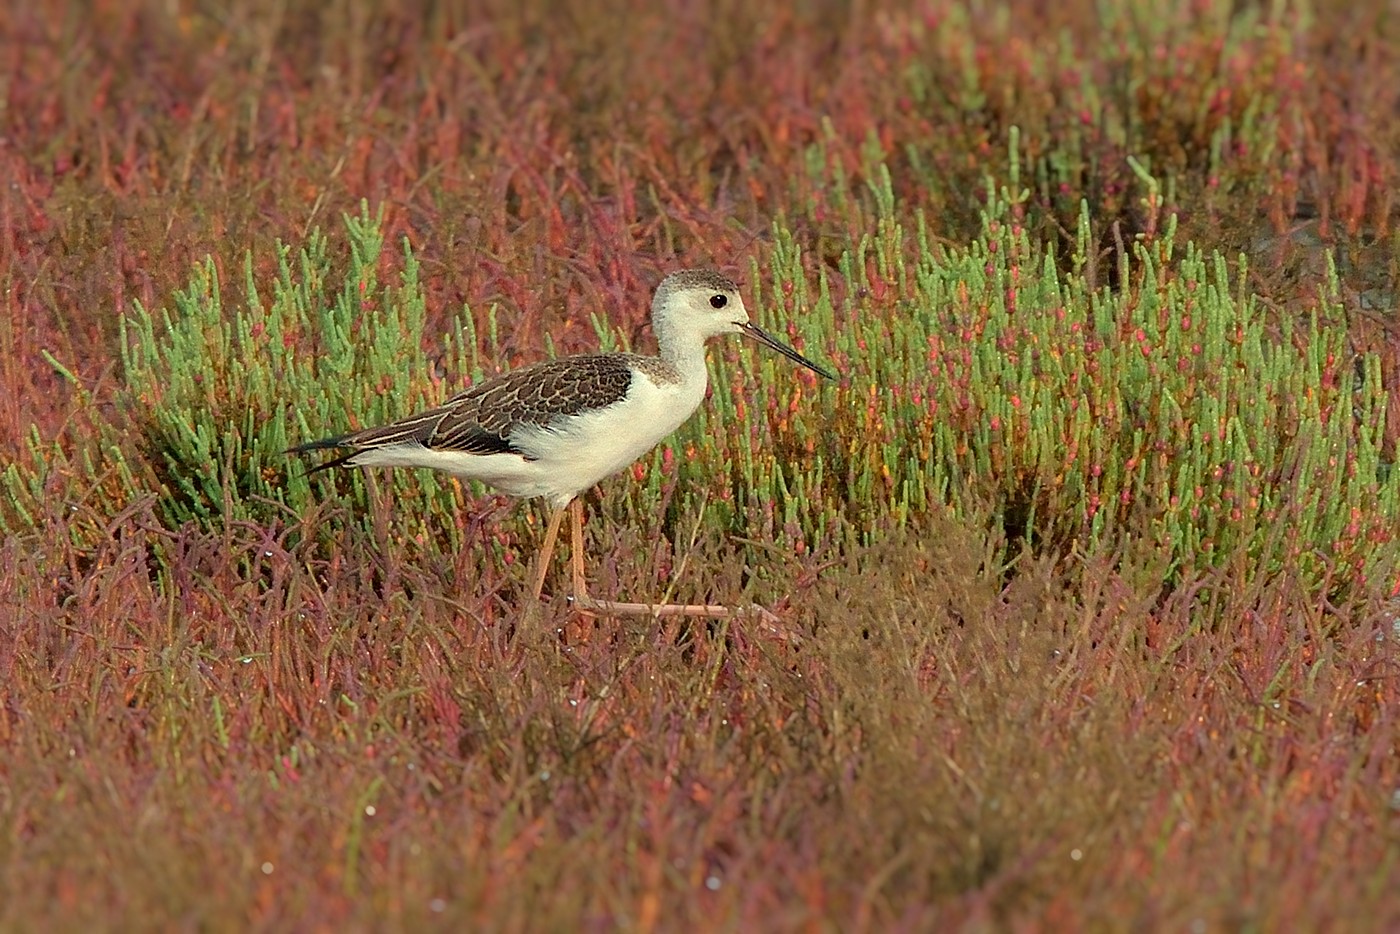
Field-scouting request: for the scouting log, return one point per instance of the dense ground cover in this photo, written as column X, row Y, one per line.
column 1088, row 560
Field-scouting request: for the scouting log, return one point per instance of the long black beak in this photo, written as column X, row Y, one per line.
column 763, row 337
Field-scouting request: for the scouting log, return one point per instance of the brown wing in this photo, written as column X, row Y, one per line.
column 481, row 418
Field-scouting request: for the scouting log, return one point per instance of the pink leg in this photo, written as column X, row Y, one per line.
column 547, row 551
column 576, row 519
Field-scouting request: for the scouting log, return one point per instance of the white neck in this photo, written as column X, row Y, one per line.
column 683, row 349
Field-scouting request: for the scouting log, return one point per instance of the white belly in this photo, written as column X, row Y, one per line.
column 580, row 450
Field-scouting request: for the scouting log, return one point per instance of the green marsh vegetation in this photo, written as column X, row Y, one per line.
column 1092, row 548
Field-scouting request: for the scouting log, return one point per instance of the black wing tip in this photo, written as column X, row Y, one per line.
column 324, row 444
column 339, row 441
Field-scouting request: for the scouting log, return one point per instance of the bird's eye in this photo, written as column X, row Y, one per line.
column 718, row 301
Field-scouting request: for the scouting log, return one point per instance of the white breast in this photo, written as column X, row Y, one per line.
column 579, row 450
